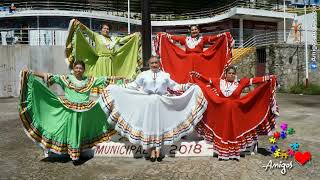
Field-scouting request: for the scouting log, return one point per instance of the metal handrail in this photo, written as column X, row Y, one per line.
column 264, row 39
column 37, row 36
column 254, row 38
column 103, row 7
column 249, row 43
column 195, row 15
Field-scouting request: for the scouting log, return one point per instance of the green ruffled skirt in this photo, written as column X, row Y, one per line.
column 59, row 125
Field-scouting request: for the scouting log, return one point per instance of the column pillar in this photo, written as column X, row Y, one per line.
column 145, row 32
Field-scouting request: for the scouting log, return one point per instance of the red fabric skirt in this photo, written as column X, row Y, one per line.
column 179, row 64
column 233, row 125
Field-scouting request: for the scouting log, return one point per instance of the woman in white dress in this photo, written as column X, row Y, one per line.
column 147, row 114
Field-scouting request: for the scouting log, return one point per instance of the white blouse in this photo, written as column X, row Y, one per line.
column 154, row 82
column 193, row 42
column 227, row 88
column 110, row 43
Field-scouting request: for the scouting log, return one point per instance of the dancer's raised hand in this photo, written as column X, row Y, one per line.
column 25, row 68
column 168, row 35
column 195, row 74
column 75, row 21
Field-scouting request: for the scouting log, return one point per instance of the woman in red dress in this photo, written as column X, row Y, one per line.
column 233, row 122
column 179, row 63
column 194, row 43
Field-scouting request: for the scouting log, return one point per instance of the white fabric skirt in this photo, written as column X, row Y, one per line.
column 152, row 120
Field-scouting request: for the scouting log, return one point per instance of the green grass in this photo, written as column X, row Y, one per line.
column 312, row 89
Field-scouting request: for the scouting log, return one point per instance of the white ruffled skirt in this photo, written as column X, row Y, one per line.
column 152, row 120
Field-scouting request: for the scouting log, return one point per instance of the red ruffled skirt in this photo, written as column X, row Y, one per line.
column 233, row 125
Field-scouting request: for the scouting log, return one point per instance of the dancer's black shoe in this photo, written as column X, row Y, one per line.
column 153, row 159
column 235, row 159
column 77, row 162
column 159, row 159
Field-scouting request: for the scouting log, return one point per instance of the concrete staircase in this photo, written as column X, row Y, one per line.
column 244, row 49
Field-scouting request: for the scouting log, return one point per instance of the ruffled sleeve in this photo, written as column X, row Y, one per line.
column 180, row 39
column 55, row 79
column 101, row 81
column 137, row 83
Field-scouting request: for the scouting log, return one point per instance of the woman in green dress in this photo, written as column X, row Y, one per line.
column 103, row 55
column 63, row 125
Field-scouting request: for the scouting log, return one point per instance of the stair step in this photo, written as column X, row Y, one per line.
column 240, row 53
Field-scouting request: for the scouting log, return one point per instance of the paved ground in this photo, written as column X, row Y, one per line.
column 20, row 158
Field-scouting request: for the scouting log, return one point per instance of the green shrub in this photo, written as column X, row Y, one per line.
column 312, row 89
column 282, row 90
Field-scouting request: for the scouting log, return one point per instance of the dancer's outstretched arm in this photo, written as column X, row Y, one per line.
column 211, row 38
column 83, row 27
column 127, row 38
column 256, row 80
column 48, row 78
column 37, row 73
column 101, row 81
column 180, row 39
column 178, row 87
column 136, row 84
column 200, row 76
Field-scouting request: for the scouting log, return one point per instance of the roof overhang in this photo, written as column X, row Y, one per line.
column 233, row 13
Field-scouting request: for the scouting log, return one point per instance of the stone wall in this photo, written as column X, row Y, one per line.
column 286, row 61
column 247, row 66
